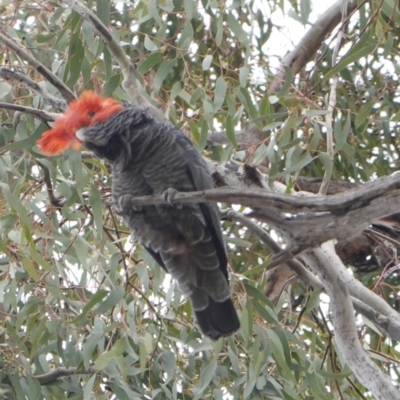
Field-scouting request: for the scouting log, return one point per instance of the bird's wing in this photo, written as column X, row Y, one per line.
column 201, row 180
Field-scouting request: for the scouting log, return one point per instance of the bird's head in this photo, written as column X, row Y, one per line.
column 88, row 110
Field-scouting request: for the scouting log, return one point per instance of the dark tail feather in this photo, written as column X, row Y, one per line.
column 218, row 319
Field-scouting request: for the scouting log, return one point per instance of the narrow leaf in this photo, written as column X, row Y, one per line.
column 161, row 74
column 207, row 62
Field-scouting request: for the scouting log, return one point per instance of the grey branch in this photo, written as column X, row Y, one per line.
column 65, row 91
column 332, row 273
column 40, row 89
column 127, row 67
column 64, row 372
column 364, row 197
column 311, row 42
column 41, row 114
column 372, row 306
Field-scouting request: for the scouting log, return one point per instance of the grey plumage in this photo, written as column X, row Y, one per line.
column 148, row 157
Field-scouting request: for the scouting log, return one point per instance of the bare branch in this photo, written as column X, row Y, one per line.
column 328, row 117
column 65, row 91
column 364, row 197
column 311, row 42
column 64, row 372
column 331, row 271
column 56, row 202
column 41, row 114
column 40, row 89
column 127, row 67
column 372, row 306
column 389, row 325
column 266, row 238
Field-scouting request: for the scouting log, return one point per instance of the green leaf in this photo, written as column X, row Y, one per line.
column 220, row 30
column 189, row 8
column 115, row 351
column 103, row 11
column 87, row 391
column 238, row 242
column 14, row 202
column 45, row 38
column 95, row 298
column 76, row 54
column 396, row 117
column 243, row 75
column 149, row 44
column 350, row 58
column 237, row 29
column 247, row 101
column 162, row 72
column 149, row 62
column 230, row 131
column 287, row 83
column 176, row 90
column 207, row 62
column 299, row 160
column 38, row 258
column 112, row 84
column 30, row 269
column 280, row 348
column 220, row 92
column 341, row 135
column 364, row 113
column 186, row 36
column 112, row 299
column 316, row 113
column 206, row 375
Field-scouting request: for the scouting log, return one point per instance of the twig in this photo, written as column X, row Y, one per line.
column 41, row 90
column 328, row 266
column 127, row 67
column 65, row 91
column 64, row 372
column 328, row 118
column 41, row 114
column 56, row 202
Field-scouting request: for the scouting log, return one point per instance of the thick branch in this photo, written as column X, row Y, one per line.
column 311, row 42
column 364, row 197
column 329, row 268
column 371, row 306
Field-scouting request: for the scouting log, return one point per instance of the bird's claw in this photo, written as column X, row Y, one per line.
column 124, row 205
column 169, row 195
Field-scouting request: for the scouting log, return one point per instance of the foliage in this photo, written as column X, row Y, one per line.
column 77, row 292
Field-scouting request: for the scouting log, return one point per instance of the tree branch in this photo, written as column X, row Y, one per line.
column 364, row 197
column 127, row 67
column 65, row 91
column 41, row 114
column 64, row 372
column 372, row 306
column 41, row 90
column 331, row 271
column 310, row 43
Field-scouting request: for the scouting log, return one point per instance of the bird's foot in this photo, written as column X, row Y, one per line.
column 169, row 195
column 124, row 205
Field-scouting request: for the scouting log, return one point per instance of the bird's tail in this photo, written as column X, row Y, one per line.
column 218, row 319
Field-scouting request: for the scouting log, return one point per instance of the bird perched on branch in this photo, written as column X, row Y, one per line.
column 148, row 157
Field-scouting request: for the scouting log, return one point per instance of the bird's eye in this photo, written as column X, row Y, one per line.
column 91, row 114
